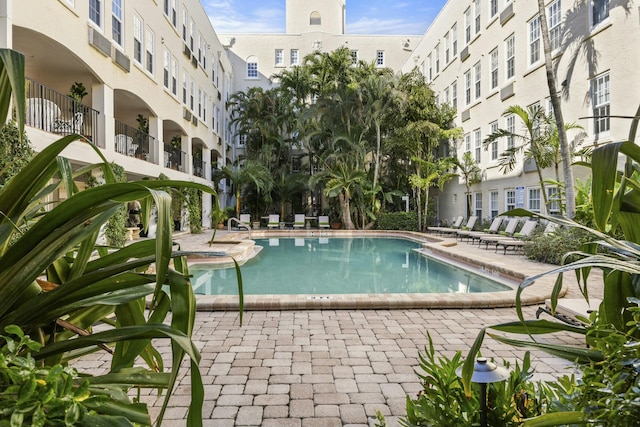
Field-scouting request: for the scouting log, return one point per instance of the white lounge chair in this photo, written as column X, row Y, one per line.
column 298, row 221
column 467, row 227
column 456, row 225
column 525, row 231
column 492, row 230
column 517, row 241
column 274, row 221
column 245, row 221
column 323, row 221
column 573, row 311
column 508, row 231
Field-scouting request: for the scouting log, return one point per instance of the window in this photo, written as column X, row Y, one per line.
column 477, row 203
column 315, row 18
column 354, row 57
column 185, row 15
column 493, row 8
column 95, row 12
column 380, row 58
column 476, row 18
column 467, row 142
column 494, row 143
column 454, row 94
column 430, row 61
column 510, row 56
column 116, row 21
column 447, row 98
column 192, row 30
column 185, row 83
column 242, row 139
column 192, row 95
column 174, row 76
column 200, row 94
column 478, row 145
column 137, row 39
column 166, row 69
column 447, row 48
column 600, row 98
column 467, row 87
column 534, row 40
column 494, row 68
column 201, row 48
column 599, row 11
column 150, row 48
column 511, row 128
column 174, row 13
column 555, row 16
column 252, row 68
column 553, row 196
column 467, row 26
column 510, row 199
column 279, row 58
column 534, row 200
column 295, row 55
column 165, row 7
column 493, row 204
column 477, row 72
column 437, row 58
column 454, row 40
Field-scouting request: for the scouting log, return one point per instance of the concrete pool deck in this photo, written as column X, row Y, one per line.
column 330, row 368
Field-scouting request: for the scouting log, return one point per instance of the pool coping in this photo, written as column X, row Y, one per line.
column 513, row 267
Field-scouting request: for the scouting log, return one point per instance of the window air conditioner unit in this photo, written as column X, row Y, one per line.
column 194, row 61
column 187, row 51
column 194, row 120
column 186, row 114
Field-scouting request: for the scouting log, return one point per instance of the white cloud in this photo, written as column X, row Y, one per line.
column 227, row 16
column 385, row 26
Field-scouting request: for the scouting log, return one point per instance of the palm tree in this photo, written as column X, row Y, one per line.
column 471, row 173
column 342, row 178
column 430, row 173
column 250, row 172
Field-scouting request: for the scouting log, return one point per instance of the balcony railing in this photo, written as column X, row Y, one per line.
column 55, row 112
column 174, row 158
column 133, row 142
column 199, row 167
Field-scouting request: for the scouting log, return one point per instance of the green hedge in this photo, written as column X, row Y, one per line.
column 398, row 221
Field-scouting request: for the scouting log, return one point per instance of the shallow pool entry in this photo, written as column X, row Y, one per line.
column 330, row 266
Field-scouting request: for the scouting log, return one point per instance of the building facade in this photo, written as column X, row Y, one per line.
column 482, row 56
column 155, row 76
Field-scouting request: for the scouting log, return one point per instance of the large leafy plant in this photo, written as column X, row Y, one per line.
column 57, row 285
column 616, row 206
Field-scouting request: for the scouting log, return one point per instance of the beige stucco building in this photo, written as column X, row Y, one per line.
column 484, row 56
column 158, row 77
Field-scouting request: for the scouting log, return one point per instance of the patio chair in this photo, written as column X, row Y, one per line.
column 123, row 142
column 508, row 231
column 573, row 311
column 468, row 227
column 518, row 242
column 298, row 221
column 274, row 221
column 456, row 225
column 323, row 221
column 245, row 221
column 42, row 113
column 492, row 230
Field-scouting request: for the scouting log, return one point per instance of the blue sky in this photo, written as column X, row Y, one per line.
column 363, row 16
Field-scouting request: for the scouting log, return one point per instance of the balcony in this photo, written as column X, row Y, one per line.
column 54, row 112
column 133, row 142
column 174, row 158
column 199, row 167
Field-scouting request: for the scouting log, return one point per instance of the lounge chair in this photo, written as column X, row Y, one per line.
column 298, row 221
column 468, row 226
column 492, row 230
column 525, row 231
column 274, row 221
column 323, row 221
column 573, row 311
column 517, row 242
column 456, row 225
column 245, row 221
column 508, row 231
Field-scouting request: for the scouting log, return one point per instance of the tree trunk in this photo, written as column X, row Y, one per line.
column 345, row 209
column 570, row 198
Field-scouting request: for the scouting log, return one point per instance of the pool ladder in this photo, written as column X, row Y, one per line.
column 239, row 224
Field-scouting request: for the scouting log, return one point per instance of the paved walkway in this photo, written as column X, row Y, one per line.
column 307, row 368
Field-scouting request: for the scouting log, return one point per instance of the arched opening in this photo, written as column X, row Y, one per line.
column 315, row 18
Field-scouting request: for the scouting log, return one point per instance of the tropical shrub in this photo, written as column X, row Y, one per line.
column 398, row 221
column 15, row 151
column 552, row 247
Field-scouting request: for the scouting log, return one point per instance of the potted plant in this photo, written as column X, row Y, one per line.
column 334, row 218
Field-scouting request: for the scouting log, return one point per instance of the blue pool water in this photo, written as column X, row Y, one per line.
column 313, row 265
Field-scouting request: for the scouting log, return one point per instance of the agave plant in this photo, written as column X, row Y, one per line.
column 72, row 295
column 616, row 204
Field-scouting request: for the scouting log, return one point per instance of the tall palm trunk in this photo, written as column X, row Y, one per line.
column 570, row 198
column 345, row 208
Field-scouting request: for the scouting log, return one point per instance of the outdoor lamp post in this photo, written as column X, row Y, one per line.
column 485, row 372
column 405, row 199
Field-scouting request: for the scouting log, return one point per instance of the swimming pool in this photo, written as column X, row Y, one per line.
column 334, row 266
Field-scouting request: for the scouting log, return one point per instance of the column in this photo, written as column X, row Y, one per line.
column 102, row 101
column 156, row 150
